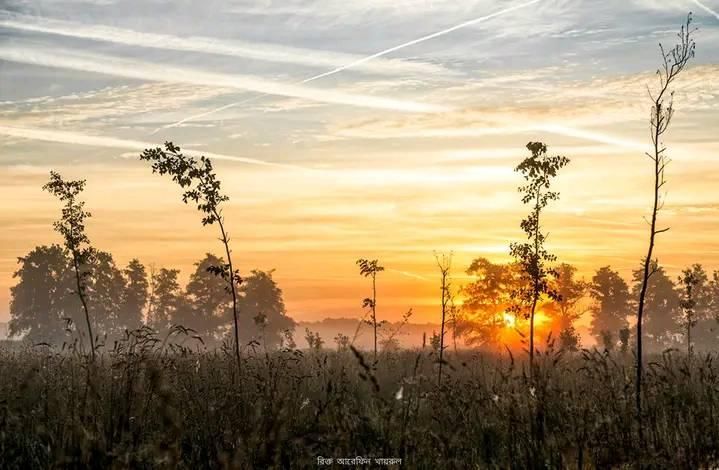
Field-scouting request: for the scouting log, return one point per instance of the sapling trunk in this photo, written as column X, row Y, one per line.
column 233, row 290
column 201, row 186
column 444, row 265
column 72, row 228
column 673, row 63
column 370, row 269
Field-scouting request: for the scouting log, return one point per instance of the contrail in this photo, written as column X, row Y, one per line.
column 466, row 24
column 409, row 274
column 110, row 65
column 499, row 129
column 707, row 9
column 592, row 136
column 266, row 52
column 473, row 22
column 207, row 113
column 113, row 142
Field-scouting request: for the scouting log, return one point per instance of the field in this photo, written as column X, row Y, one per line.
column 146, row 406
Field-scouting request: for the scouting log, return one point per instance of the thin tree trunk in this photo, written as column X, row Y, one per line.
column 441, row 333
column 374, row 312
column 689, row 336
column 81, row 294
column 536, row 291
column 647, row 261
column 151, row 298
column 454, row 336
column 531, row 336
column 226, row 242
column 674, row 62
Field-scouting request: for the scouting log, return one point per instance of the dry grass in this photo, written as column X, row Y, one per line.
column 147, row 406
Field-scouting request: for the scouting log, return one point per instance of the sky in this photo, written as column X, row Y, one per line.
column 376, row 129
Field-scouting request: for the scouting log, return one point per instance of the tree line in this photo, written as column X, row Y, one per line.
column 45, row 307
column 679, row 313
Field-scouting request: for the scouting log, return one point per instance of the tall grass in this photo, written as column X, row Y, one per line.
column 152, row 404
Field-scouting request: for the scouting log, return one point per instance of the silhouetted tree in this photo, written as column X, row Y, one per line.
column 488, row 298
column 457, row 321
column 444, row 263
column 135, row 296
column 72, row 228
column 260, row 294
column 690, row 280
column 389, row 344
column 624, row 339
column 570, row 293
column 434, row 341
column 612, row 303
column 538, row 170
column 46, row 291
column 105, row 289
column 209, row 304
column 389, row 341
column 370, row 268
column 696, row 299
column 662, row 307
column 314, row 340
column 287, row 341
column 201, row 186
column 607, row 340
column 342, row 341
column 713, row 296
column 166, row 299
column 42, row 297
column 673, row 63
column 150, row 295
column 569, row 339
column 706, row 311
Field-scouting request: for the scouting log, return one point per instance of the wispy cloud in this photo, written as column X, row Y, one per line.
column 426, row 38
column 262, row 51
column 409, row 274
column 112, row 105
column 364, row 60
column 497, row 130
column 592, row 136
column 74, row 138
column 139, row 70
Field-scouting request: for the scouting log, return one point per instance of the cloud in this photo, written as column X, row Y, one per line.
column 377, row 55
column 707, row 9
column 64, row 137
column 429, row 176
column 409, row 274
column 109, row 105
column 427, row 37
column 376, row 132
column 139, row 70
column 592, row 136
column 671, row 6
column 234, row 48
column 611, row 111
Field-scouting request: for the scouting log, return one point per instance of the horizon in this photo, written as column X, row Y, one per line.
column 392, row 158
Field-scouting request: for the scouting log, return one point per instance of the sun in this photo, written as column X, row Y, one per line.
column 509, row 320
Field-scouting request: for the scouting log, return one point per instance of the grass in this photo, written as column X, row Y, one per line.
column 143, row 405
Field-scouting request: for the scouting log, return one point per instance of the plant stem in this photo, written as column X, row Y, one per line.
column 226, row 243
